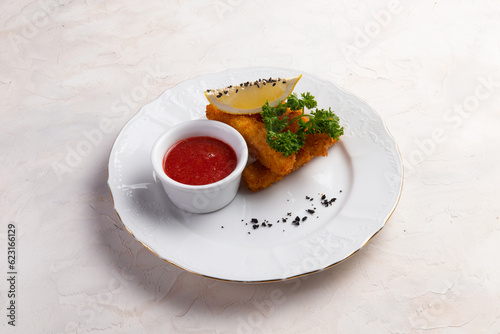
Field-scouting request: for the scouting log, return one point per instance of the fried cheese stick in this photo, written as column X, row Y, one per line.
column 258, row 177
column 253, row 131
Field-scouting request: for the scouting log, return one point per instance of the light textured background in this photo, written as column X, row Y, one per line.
column 430, row 68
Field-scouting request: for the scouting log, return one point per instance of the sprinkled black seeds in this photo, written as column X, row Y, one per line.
column 296, row 221
column 299, row 219
column 258, row 83
column 329, row 202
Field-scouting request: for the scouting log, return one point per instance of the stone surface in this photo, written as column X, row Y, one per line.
column 73, row 72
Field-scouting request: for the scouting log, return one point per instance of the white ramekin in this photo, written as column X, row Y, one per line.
column 203, row 198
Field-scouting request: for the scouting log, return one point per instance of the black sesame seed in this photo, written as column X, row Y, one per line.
column 274, row 84
column 264, row 224
column 255, row 227
column 323, row 197
column 254, row 221
column 236, row 90
column 304, row 218
column 269, row 225
column 311, row 211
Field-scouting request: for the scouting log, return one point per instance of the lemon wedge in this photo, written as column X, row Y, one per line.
column 249, row 97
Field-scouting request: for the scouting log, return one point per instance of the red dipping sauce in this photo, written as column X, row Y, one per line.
column 199, row 160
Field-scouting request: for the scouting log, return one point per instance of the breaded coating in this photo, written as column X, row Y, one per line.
column 258, row 177
column 253, row 131
column 318, row 144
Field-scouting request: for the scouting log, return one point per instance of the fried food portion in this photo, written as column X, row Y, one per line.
column 258, row 177
column 270, row 166
column 253, row 131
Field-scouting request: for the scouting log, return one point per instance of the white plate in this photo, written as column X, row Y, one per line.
column 363, row 171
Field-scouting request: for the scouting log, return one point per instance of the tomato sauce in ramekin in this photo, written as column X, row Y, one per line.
column 199, row 160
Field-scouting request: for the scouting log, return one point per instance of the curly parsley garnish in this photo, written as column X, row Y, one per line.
column 288, row 142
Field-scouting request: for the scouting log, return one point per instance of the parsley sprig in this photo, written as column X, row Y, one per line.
column 288, row 142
